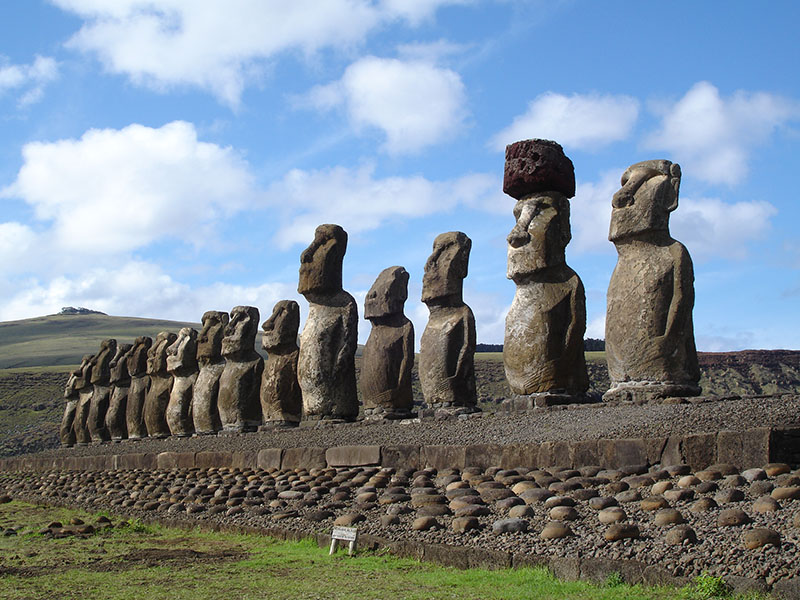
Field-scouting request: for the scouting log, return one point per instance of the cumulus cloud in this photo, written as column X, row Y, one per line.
column 359, row 201
column 174, row 42
column 136, row 288
column 131, row 186
column 579, row 121
column 713, row 137
column 590, row 214
column 29, row 80
column 709, row 227
column 414, row 103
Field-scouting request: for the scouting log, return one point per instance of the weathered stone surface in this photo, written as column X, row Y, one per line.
column 681, row 534
column 732, row 517
column 326, row 365
column 669, row 516
column 699, row 450
column 614, row 514
column 389, row 352
column 443, row 457
column 650, row 345
column 182, row 365
column 116, row 416
column 786, row 493
column 509, row 526
column 175, row 460
column 140, row 383
column 307, row 458
column 621, row 531
column 407, row 457
column 464, row 524
column 447, row 346
column 269, row 458
column 543, row 349
column 281, row 397
column 537, row 166
column 155, row 403
column 353, row 456
column 622, row 452
column 67, row 431
column 205, row 395
column 84, row 388
column 205, row 460
column 555, row 531
column 761, row 536
column 101, row 395
column 240, row 383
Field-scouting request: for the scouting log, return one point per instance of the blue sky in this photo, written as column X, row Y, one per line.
column 163, row 158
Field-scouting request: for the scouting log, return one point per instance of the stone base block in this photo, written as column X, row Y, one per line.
column 521, row 402
column 642, row 392
column 272, row 425
column 447, row 411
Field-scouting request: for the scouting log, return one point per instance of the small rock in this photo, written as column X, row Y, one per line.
column 761, row 536
column 707, row 487
column 683, row 495
column 601, row 502
column 559, row 501
column 434, row 510
column 535, row 496
column 614, row 514
column 389, row 520
column 510, row 526
column 349, row 519
column 688, row 481
column 473, row 510
column 5, row 499
column 508, row 503
column 621, row 531
column 752, row 475
column 775, row 469
column 652, row 503
column 766, row 504
column 681, row 534
column 703, row 505
column 786, row 493
column 660, row 487
column 520, row 512
column 629, row 496
column 463, row 524
column 669, row 516
column 316, row 516
column 796, row 520
column 732, row 517
column 555, row 531
column 728, row 496
column 760, row 488
column 563, row 513
column 425, row 523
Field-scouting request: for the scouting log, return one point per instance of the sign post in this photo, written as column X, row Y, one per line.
column 344, row 534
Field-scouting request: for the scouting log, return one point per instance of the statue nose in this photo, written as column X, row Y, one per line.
column 518, row 237
column 622, row 199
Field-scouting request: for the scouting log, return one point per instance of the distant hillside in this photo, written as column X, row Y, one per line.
column 63, row 339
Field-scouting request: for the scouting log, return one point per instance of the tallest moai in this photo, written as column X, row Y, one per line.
column 649, row 332
column 543, row 349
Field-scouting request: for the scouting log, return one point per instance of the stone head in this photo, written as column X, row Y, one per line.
column 540, row 234
column 648, row 194
column 388, row 294
column 157, row 355
column 101, row 371
column 83, row 373
column 119, row 364
column 321, row 262
column 281, row 328
column 534, row 166
column 446, row 267
column 137, row 359
column 240, row 333
column 70, row 388
column 182, row 353
column 209, row 340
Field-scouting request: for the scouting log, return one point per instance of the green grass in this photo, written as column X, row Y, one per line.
column 144, row 562
column 593, row 357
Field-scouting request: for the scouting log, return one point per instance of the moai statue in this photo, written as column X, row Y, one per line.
column 240, row 383
column 326, row 367
column 649, row 333
column 447, row 346
column 205, row 413
column 83, row 386
column 140, row 384
column 389, row 352
column 543, row 348
column 182, row 364
column 101, row 395
column 116, row 417
column 67, row 432
column 155, row 403
column 281, row 398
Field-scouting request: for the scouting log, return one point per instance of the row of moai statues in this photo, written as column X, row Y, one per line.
column 203, row 383
column 650, row 346
column 214, row 381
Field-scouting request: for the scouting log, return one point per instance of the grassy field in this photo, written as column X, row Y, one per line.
column 140, row 562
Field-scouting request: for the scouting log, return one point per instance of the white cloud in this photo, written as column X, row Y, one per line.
column 590, row 214
column 414, row 103
column 30, row 80
column 358, row 201
column 137, row 288
column 201, row 44
column 116, row 190
column 713, row 137
column 709, row 227
column 579, row 121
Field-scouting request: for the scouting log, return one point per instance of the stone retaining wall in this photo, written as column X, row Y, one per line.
column 744, row 449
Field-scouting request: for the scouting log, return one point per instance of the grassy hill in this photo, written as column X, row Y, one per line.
column 57, row 340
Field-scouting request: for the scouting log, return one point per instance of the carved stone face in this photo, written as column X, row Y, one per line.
column 182, row 353
column 83, row 374
column 321, row 262
column 157, row 356
column 540, row 235
column 388, row 294
column 281, row 328
column 119, row 364
column 69, row 389
column 240, row 333
column 101, row 371
column 137, row 359
column 209, row 340
column 648, row 194
column 446, row 267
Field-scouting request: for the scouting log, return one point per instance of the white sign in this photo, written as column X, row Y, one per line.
column 344, row 534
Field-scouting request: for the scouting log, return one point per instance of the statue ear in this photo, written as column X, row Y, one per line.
column 675, row 181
